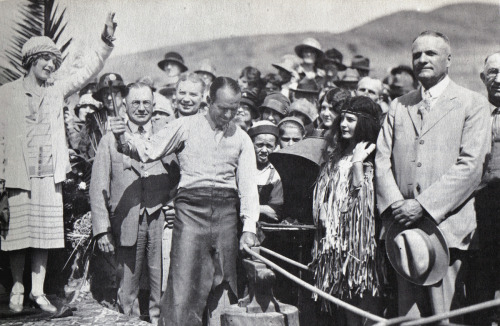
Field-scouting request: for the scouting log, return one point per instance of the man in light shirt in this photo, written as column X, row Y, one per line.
column 218, row 165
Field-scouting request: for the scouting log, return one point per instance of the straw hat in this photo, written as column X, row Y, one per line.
column 420, row 254
column 309, row 43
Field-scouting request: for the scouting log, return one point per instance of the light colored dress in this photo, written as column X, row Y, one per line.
column 34, row 157
column 344, row 252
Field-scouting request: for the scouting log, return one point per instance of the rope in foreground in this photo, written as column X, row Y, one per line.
column 402, row 321
column 313, row 289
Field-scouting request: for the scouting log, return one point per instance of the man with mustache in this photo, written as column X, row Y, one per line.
column 126, row 198
column 429, row 161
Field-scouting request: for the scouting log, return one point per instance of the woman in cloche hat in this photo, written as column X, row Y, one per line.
column 310, row 52
column 344, row 253
column 34, row 158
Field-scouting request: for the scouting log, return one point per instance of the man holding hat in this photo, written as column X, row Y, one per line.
column 275, row 107
column 264, row 135
column 429, row 161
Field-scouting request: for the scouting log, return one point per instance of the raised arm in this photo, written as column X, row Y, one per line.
column 93, row 61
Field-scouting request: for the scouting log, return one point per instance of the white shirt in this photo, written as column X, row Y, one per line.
column 435, row 91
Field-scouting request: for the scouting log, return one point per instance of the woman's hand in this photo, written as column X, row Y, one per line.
column 109, row 27
column 362, row 151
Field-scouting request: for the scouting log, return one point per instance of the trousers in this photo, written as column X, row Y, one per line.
column 203, row 254
column 148, row 250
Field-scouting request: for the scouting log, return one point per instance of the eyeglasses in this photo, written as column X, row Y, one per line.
column 145, row 104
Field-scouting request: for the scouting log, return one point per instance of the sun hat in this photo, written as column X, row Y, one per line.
column 306, row 108
column 334, row 56
column 309, row 43
column 420, row 253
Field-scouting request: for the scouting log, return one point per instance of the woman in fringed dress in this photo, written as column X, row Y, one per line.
column 34, row 158
column 345, row 251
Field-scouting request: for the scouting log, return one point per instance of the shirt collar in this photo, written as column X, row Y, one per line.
column 213, row 125
column 134, row 128
column 438, row 89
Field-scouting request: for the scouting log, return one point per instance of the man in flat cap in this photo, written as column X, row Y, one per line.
column 429, row 161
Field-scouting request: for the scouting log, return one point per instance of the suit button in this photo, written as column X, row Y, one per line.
column 419, row 164
column 418, row 188
column 146, row 174
column 421, row 142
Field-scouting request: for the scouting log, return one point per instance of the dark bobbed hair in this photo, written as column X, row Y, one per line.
column 252, row 75
column 335, row 97
column 367, row 126
column 222, row 82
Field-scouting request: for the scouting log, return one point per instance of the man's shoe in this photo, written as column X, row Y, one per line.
column 16, row 302
column 43, row 303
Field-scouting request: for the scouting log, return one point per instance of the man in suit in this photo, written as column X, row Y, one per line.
column 429, row 161
column 126, row 198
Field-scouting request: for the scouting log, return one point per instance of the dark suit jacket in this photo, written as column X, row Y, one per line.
column 440, row 165
column 121, row 188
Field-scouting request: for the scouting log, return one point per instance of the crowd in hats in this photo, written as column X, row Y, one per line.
column 383, row 171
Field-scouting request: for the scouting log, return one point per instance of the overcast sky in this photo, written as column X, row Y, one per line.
column 148, row 24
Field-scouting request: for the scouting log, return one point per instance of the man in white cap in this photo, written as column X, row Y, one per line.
column 428, row 164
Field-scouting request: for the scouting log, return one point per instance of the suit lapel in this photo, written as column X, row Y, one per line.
column 445, row 103
column 413, row 113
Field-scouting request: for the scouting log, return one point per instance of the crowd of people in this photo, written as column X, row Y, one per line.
column 405, row 194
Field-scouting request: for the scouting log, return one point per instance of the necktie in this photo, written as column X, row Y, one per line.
column 141, row 131
column 424, row 107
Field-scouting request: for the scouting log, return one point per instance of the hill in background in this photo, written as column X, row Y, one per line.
column 472, row 28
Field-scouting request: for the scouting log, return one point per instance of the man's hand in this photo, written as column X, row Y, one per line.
column 117, row 126
column 106, row 243
column 249, row 239
column 407, row 212
column 269, row 212
column 169, row 213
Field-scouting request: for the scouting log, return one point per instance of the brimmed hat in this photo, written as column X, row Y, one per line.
column 403, row 68
column 360, row 62
column 168, row 90
column 310, row 43
column 87, row 99
column 173, row 57
column 206, row 67
column 307, row 85
column 277, row 102
column 334, row 56
column 40, row 44
column 294, row 120
column 286, row 64
column 263, row 127
column 350, row 77
column 306, row 108
column 116, row 82
column 249, row 98
column 420, row 253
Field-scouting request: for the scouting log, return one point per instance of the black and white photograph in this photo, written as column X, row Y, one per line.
column 250, row 163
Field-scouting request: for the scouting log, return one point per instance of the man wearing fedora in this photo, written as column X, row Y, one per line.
column 429, row 161
column 332, row 64
column 307, row 89
column 361, row 64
